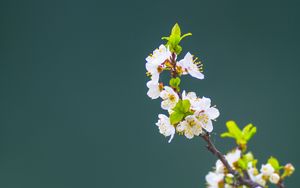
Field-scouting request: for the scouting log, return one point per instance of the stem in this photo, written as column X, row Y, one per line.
column 280, row 184
column 241, row 180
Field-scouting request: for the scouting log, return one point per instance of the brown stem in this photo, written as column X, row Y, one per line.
column 241, row 180
column 280, row 184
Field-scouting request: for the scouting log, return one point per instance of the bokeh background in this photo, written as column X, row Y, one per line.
column 73, row 104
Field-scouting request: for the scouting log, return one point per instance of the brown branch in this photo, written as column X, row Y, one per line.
column 280, row 184
column 241, row 180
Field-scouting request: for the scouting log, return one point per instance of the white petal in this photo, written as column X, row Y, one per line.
column 208, row 126
column 165, row 105
column 196, row 74
column 204, row 103
column 171, row 138
column 212, row 113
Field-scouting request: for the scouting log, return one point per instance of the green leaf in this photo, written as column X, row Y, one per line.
column 182, row 106
column 174, row 82
column 242, row 163
column 226, row 134
column 186, row 105
column 176, row 30
column 181, row 110
column 275, row 163
column 185, row 35
column 234, row 129
column 249, row 131
column 176, row 117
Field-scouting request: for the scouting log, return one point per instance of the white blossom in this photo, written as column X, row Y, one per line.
column 267, row 169
column 259, row 179
column 154, row 89
column 165, row 127
column 170, row 98
column 154, row 61
column 274, row 178
column 233, row 157
column 190, row 126
column 214, row 179
column 189, row 66
column 205, row 114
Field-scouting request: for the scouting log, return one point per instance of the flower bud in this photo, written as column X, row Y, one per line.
column 289, row 169
column 274, row 178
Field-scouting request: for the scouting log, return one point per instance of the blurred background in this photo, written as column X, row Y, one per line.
column 73, row 103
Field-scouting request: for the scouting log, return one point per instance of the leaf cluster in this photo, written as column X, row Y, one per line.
column 180, row 111
column 241, row 136
column 174, row 39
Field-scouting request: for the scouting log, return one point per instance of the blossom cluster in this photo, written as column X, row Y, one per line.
column 269, row 172
column 195, row 114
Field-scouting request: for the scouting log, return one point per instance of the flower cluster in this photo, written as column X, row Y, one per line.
column 245, row 164
column 188, row 114
column 269, row 172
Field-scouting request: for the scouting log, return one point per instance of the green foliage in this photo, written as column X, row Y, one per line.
column 181, row 110
column 275, row 163
column 174, row 39
column 241, row 136
column 245, row 160
column 174, row 83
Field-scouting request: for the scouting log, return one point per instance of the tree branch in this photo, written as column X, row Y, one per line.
column 241, row 180
column 280, row 184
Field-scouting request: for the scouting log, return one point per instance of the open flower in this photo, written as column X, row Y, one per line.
column 214, row 180
column 165, row 127
column 205, row 113
column 260, row 179
column 190, row 127
column 274, row 178
column 170, row 98
column 155, row 61
column 267, row 169
column 154, row 89
column 189, row 66
column 231, row 157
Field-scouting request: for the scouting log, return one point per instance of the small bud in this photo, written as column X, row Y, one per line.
column 274, row 178
column 289, row 169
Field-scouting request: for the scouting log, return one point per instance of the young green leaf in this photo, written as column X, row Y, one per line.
column 176, row 117
column 175, row 82
column 249, row 131
column 174, row 39
column 275, row 163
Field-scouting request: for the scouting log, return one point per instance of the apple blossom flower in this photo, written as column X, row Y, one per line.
column 205, row 113
column 155, row 61
column 233, row 157
column 190, row 127
column 267, row 169
column 154, row 89
column 274, row 178
column 165, row 127
column 214, row 179
column 170, row 98
column 260, row 180
column 189, row 66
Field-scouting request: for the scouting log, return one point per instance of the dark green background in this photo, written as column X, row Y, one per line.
column 73, row 104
